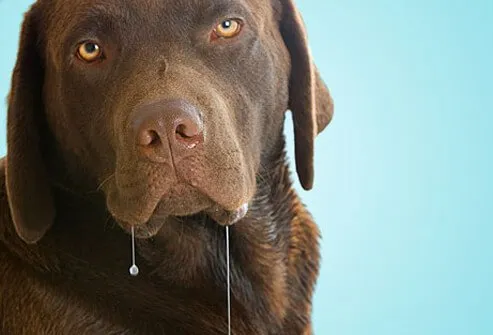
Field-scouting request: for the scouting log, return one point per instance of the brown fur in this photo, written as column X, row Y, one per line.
column 73, row 182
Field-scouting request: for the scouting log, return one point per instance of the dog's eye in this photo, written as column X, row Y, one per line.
column 227, row 29
column 89, row 52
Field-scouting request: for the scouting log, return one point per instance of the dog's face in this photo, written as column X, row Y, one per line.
column 170, row 107
column 173, row 102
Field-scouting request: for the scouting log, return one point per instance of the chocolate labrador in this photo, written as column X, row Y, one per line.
column 164, row 118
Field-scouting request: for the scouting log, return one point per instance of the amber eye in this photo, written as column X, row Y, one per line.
column 228, row 28
column 89, row 52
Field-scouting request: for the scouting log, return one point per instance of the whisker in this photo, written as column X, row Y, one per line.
column 104, row 182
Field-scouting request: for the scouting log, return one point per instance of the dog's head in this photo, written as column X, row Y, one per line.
column 169, row 107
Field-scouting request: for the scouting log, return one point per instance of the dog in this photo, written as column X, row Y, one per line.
column 164, row 118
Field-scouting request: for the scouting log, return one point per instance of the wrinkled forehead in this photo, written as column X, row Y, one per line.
column 65, row 14
column 146, row 19
column 139, row 20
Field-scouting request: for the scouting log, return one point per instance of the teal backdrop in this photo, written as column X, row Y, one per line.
column 404, row 192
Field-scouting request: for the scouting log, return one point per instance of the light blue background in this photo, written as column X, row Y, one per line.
column 403, row 193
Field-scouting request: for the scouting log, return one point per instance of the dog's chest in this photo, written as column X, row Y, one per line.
column 191, row 316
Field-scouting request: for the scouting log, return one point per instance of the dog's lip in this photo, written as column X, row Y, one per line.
column 144, row 230
column 227, row 217
column 220, row 215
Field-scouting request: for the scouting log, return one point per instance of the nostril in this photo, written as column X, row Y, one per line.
column 188, row 133
column 149, row 138
column 184, row 132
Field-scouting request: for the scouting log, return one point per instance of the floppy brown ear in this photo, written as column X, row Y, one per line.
column 309, row 98
column 28, row 190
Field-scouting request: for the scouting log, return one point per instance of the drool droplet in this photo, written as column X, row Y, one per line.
column 134, row 270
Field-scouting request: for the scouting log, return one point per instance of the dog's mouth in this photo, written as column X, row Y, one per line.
column 180, row 202
column 155, row 223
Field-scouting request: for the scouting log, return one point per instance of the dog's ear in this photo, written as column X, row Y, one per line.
column 30, row 199
column 309, row 99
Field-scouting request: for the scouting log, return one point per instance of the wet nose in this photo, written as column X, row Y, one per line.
column 162, row 126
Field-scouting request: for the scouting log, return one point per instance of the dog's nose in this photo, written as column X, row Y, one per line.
column 162, row 126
